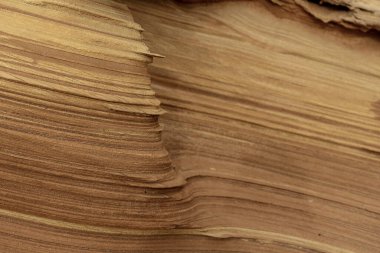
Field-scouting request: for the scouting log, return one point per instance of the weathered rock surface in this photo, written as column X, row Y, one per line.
column 271, row 139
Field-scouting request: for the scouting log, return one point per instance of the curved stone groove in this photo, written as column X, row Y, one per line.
column 272, row 121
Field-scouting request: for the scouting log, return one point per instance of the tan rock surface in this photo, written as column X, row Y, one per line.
column 272, row 130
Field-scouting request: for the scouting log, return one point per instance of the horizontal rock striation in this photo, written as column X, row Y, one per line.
column 272, row 127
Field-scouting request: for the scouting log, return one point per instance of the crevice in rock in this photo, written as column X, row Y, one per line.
column 334, row 7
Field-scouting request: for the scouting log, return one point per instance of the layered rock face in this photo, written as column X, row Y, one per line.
column 81, row 146
column 258, row 131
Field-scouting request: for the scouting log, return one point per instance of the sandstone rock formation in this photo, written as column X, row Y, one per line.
column 258, row 131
